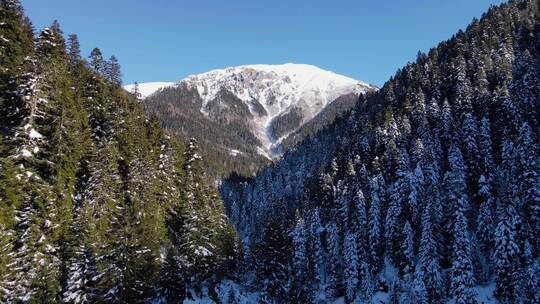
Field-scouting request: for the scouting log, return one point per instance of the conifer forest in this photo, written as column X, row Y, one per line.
column 427, row 189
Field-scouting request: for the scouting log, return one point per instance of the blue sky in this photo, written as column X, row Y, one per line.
column 166, row 40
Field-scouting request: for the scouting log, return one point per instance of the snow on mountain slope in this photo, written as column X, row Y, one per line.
column 278, row 89
column 280, row 98
column 148, row 88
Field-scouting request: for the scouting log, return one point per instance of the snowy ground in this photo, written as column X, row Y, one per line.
column 228, row 289
column 225, row 291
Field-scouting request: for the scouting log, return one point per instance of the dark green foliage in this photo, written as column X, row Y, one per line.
column 113, row 73
column 179, row 108
column 16, row 47
column 97, row 203
column 272, row 264
column 285, row 122
column 96, row 61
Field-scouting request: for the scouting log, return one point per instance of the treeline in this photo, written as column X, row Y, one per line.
column 97, row 202
column 432, row 189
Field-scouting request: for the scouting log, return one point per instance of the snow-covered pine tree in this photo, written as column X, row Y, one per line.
column 10, row 199
column 44, row 213
column 506, row 258
column 333, row 264
column 173, row 282
column 375, row 221
column 428, row 268
column 531, row 284
column 485, row 225
column 81, row 277
column 273, row 264
column 317, row 256
column 407, row 261
column 17, row 66
column 529, row 180
column 367, row 283
column 485, row 147
column 447, row 122
column 398, row 198
column 300, row 265
column 419, row 293
column 352, row 266
column 469, row 138
column 463, row 280
column 416, row 195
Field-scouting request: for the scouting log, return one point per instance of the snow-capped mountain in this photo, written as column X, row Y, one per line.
column 148, row 88
column 271, row 92
column 247, row 115
column 278, row 98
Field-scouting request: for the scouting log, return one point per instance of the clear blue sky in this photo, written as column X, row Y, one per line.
column 166, row 40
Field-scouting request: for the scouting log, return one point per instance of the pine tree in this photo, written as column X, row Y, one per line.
column 198, row 242
column 316, row 248
column 135, row 91
column 174, row 272
column 428, row 265
column 407, row 264
column 367, row 285
column 455, row 185
column 408, row 250
column 352, row 266
column 485, row 222
column 419, row 293
column 45, row 211
column 114, row 74
column 416, row 195
column 398, row 199
column 470, row 142
column 447, row 122
column 16, row 59
column 272, row 268
column 375, row 213
column 506, row 254
column 10, row 199
column 300, row 291
column 333, row 265
column 97, row 62
column 104, row 211
column 74, row 50
column 360, row 224
column 529, row 177
column 81, row 275
column 462, row 267
column 485, row 147
column 532, row 283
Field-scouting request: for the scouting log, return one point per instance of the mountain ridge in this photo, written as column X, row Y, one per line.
column 254, row 108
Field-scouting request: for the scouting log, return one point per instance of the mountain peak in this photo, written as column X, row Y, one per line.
column 305, row 73
column 297, row 90
column 278, row 98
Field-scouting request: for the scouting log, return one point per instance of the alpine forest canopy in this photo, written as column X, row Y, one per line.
column 428, row 190
column 97, row 203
